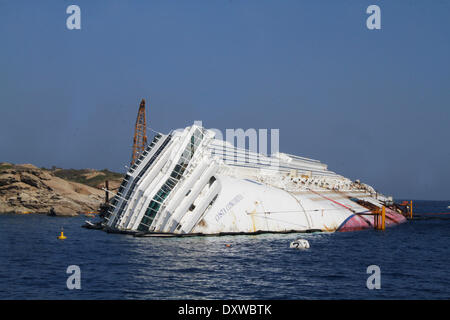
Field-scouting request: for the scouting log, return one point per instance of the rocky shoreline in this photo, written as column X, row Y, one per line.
column 28, row 189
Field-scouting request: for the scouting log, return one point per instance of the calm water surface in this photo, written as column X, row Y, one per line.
column 413, row 257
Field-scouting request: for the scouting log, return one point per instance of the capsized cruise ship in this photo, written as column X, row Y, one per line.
column 189, row 182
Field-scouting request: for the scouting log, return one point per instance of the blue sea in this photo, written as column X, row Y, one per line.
column 413, row 258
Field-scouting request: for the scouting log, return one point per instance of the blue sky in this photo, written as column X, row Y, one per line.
column 372, row 104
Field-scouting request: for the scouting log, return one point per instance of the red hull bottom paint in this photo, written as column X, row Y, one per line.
column 354, row 223
column 396, row 217
column 358, row 222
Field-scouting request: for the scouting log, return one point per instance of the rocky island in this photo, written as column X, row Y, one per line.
column 25, row 188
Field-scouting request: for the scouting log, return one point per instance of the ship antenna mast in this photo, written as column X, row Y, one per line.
column 140, row 133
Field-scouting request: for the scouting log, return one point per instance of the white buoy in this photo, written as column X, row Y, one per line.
column 299, row 244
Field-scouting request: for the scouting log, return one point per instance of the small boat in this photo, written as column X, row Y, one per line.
column 299, row 244
column 89, row 225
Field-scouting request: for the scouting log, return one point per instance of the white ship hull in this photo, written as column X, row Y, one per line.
column 191, row 183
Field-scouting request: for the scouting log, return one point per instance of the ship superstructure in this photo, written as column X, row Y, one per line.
column 189, row 182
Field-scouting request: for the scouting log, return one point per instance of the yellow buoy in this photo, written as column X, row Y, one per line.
column 62, row 236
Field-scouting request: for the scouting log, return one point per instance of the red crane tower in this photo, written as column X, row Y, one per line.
column 140, row 133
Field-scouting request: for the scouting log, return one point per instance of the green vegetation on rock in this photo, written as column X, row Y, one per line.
column 5, row 165
column 88, row 177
